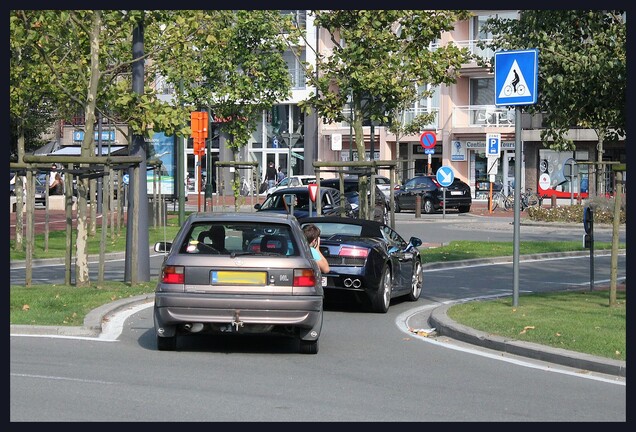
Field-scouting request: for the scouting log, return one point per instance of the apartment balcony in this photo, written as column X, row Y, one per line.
column 482, row 116
column 473, row 48
column 472, row 68
column 409, row 115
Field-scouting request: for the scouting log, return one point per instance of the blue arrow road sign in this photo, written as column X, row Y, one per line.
column 445, row 176
column 516, row 76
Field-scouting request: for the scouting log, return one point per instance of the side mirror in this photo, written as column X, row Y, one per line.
column 163, row 246
column 415, row 242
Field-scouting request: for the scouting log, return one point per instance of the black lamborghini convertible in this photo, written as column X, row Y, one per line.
column 369, row 259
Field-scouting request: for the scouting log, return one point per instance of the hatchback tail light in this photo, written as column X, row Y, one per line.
column 173, row 275
column 304, row 278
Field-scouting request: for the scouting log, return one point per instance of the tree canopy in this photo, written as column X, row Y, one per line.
column 582, row 68
column 376, row 62
column 81, row 60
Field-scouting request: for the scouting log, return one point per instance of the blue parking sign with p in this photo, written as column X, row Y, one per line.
column 493, row 144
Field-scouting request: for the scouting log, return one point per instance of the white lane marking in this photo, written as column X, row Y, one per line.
column 111, row 327
column 114, row 325
column 49, row 377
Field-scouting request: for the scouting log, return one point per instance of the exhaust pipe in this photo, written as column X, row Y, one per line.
column 193, row 327
column 356, row 283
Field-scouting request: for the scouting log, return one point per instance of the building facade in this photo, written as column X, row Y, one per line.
column 465, row 114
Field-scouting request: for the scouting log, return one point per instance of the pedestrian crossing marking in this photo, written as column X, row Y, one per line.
column 515, row 84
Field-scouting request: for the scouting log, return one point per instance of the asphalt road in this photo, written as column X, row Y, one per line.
column 369, row 368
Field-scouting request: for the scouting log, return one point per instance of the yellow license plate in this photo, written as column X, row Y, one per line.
column 238, row 278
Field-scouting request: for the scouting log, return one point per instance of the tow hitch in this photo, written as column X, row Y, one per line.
column 236, row 321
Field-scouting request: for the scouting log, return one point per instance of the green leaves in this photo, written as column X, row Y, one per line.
column 378, row 57
column 582, row 67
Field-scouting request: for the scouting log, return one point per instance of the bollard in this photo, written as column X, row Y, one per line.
column 418, row 205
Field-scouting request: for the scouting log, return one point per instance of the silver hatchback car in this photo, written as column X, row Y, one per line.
column 238, row 273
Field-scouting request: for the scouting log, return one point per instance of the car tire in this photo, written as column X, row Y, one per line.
column 382, row 299
column 397, row 208
column 428, row 206
column 308, row 347
column 168, row 343
column 416, row 281
column 465, row 209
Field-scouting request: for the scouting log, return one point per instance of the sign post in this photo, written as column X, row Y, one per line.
column 588, row 239
column 516, row 83
column 428, row 139
column 199, row 126
column 312, row 188
column 445, row 177
column 493, row 144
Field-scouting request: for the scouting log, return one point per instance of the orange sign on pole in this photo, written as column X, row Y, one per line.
column 199, row 126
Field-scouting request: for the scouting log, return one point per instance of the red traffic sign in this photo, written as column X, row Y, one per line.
column 428, row 139
column 313, row 187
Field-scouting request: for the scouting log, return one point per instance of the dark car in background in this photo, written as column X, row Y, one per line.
column 213, row 281
column 368, row 260
column 280, row 201
column 457, row 196
column 351, row 189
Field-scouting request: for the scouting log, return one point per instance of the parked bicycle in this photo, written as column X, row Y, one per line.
column 499, row 199
column 530, row 199
column 527, row 199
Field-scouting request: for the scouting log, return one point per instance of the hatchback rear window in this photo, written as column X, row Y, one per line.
column 237, row 238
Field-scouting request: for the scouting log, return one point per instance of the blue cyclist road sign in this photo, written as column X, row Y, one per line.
column 445, row 176
column 516, row 76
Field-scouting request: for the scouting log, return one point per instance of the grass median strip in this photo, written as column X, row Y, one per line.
column 579, row 321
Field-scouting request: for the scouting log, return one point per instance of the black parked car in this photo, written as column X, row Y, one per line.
column 351, row 190
column 458, row 195
column 331, row 202
column 369, row 260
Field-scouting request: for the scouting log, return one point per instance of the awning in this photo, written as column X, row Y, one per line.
column 47, row 148
column 77, row 151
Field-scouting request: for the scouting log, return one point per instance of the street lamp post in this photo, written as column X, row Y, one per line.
column 290, row 139
column 350, row 126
